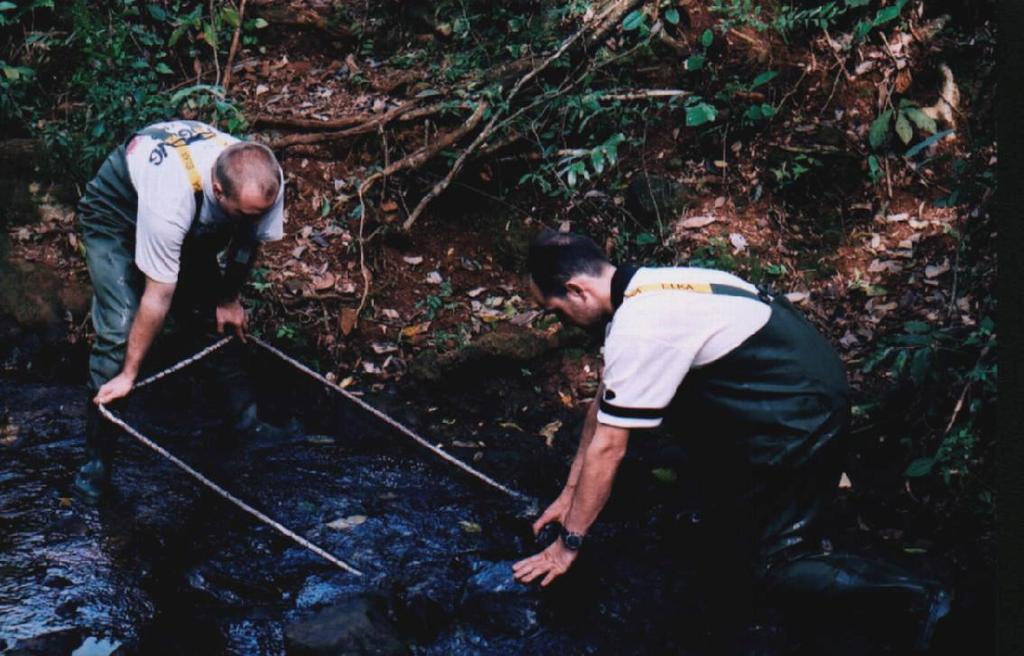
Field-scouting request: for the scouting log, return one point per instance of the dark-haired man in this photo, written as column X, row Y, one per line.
column 154, row 219
column 758, row 394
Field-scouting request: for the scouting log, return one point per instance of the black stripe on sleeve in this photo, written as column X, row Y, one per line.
column 630, row 413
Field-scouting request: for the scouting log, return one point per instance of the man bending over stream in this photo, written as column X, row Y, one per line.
column 154, row 220
column 762, row 401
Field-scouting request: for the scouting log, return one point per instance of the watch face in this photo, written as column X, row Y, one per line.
column 573, row 541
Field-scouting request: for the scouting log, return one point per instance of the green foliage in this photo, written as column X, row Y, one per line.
column 905, row 114
column 787, row 19
column 928, row 356
column 434, row 303
column 117, row 64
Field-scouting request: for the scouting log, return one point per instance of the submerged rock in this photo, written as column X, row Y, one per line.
column 63, row 641
column 359, row 625
column 497, row 603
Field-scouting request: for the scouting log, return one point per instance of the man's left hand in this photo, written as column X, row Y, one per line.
column 550, row 563
column 232, row 314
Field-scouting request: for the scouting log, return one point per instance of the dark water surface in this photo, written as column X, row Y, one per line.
column 166, row 566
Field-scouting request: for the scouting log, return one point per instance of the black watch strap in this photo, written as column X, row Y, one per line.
column 572, row 541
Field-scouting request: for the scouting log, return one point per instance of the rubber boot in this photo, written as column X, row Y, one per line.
column 92, row 481
column 884, row 589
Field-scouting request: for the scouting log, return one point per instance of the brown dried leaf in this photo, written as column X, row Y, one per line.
column 697, row 221
column 347, row 320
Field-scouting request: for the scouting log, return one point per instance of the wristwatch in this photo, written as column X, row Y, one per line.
column 572, row 541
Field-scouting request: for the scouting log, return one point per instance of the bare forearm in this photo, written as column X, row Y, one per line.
column 589, row 426
column 597, row 473
column 149, row 319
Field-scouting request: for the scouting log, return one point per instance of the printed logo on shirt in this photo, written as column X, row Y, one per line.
column 183, row 137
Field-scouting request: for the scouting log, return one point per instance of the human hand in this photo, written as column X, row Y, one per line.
column 556, row 512
column 232, row 314
column 115, row 388
column 551, row 563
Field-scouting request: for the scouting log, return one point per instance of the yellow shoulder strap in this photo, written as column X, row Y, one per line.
column 701, row 287
column 186, row 158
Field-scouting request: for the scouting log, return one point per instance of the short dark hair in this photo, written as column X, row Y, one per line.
column 556, row 257
column 248, row 161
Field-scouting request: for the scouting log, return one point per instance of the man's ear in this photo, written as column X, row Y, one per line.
column 574, row 287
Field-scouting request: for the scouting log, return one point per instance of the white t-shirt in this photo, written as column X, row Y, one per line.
column 657, row 336
column 166, row 201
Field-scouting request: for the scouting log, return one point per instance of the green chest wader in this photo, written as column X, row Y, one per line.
column 766, row 425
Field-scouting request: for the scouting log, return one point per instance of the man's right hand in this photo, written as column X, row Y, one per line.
column 115, row 388
column 556, row 512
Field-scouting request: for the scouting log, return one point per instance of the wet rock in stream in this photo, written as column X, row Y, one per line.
column 359, row 626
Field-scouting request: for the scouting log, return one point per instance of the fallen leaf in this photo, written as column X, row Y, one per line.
column 473, row 293
column 510, row 424
column 319, row 439
column 381, row 348
column 470, row 527
column 697, row 221
column 665, row 475
column 346, row 523
column 549, row 431
column 934, row 271
column 466, row 445
column 719, row 202
column 347, row 381
column 797, row 297
column 413, row 259
column 347, row 320
column 324, row 282
column 389, row 206
column 844, row 481
column 434, row 278
column 738, row 241
column 415, row 329
column 390, row 314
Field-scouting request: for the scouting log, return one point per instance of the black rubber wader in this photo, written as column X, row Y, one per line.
column 768, row 423
column 107, row 220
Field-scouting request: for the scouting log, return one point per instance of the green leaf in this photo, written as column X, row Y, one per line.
column 665, row 475
column 919, row 365
column 672, row 16
column 917, row 327
column 210, row 35
column 700, row 114
column 767, row 110
column 903, row 129
column 887, row 14
column 918, row 147
column 157, row 12
column 920, row 467
column 763, row 78
column 874, row 169
column 260, row 23
column 230, row 16
column 646, row 239
column 633, row 20
column 753, row 113
column 857, row 3
column 163, row 69
column 695, row 62
column 879, row 131
column 707, row 38
column 7, row 6
column 597, row 160
column 921, row 120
